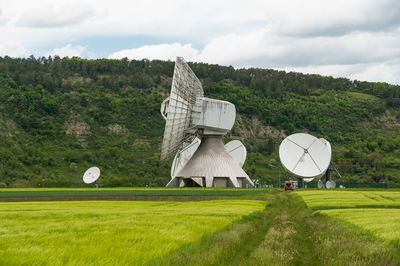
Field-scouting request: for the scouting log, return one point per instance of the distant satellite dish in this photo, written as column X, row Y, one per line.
column 330, row 184
column 308, row 179
column 305, row 156
column 91, row 175
column 320, row 184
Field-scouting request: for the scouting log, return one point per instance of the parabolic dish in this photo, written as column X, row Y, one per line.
column 91, row 175
column 308, row 179
column 305, row 156
column 186, row 88
column 320, row 184
column 183, row 156
column 237, row 150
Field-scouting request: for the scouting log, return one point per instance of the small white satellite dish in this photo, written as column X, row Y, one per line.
column 91, row 175
column 330, row 184
column 341, row 187
column 237, row 150
column 320, row 184
column 304, row 155
column 308, row 179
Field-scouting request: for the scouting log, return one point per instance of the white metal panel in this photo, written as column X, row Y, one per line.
column 214, row 115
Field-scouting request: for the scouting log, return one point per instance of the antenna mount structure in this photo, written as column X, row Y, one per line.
column 187, row 112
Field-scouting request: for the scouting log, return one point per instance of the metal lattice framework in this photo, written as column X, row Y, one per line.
column 186, row 88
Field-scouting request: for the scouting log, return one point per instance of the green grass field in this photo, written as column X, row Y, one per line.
column 338, row 228
column 377, row 211
column 141, row 192
column 101, row 232
column 384, row 223
column 326, row 199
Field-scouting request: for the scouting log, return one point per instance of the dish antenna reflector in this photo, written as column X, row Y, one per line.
column 183, row 156
column 187, row 112
column 91, row 175
column 237, row 150
column 305, row 156
column 177, row 109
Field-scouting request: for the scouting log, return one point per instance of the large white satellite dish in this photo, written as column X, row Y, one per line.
column 91, row 175
column 187, row 112
column 177, row 109
column 304, row 155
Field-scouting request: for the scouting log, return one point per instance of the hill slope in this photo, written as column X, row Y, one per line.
column 60, row 116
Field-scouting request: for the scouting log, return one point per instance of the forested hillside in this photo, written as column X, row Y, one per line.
column 60, row 116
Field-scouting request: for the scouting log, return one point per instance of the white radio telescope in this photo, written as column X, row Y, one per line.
column 305, row 156
column 205, row 163
column 91, row 175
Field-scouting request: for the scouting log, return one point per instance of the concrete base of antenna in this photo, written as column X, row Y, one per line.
column 211, row 166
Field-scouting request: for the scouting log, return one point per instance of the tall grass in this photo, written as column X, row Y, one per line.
column 116, row 233
column 82, row 192
column 287, row 233
column 320, row 199
column 376, row 211
column 383, row 223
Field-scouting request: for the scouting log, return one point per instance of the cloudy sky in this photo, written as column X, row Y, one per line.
column 357, row 39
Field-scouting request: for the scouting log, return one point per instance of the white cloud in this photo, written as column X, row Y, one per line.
column 50, row 16
column 353, row 38
column 68, row 50
column 161, row 51
column 326, row 17
column 363, row 71
column 13, row 49
column 357, row 55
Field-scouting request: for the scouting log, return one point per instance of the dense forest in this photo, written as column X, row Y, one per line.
column 60, row 116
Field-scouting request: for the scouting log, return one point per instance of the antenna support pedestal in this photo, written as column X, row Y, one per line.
column 211, row 166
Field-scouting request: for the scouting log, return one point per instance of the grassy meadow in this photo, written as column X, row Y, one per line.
column 29, row 193
column 326, row 199
column 384, row 223
column 287, row 233
column 376, row 211
column 109, row 232
column 308, row 227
